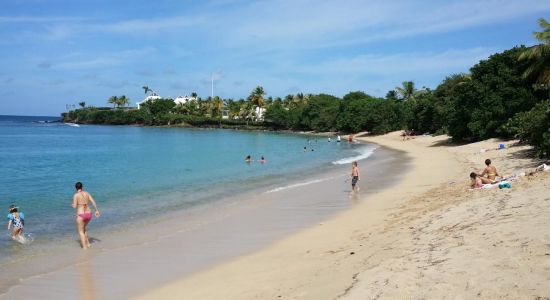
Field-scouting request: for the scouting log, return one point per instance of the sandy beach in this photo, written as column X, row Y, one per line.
column 428, row 237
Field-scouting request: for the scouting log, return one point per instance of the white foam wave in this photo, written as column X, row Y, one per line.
column 363, row 153
column 282, row 188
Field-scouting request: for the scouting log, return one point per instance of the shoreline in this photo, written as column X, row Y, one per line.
column 143, row 251
column 402, row 242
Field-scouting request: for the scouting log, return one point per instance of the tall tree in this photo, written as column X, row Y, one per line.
column 123, row 101
column 538, row 57
column 406, row 90
column 113, row 100
column 257, row 96
column 217, row 106
column 82, row 104
column 146, row 89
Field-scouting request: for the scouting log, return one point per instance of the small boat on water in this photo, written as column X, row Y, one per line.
column 72, row 124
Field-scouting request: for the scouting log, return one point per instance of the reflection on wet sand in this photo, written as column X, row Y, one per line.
column 87, row 288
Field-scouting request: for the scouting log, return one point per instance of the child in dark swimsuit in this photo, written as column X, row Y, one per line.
column 17, row 219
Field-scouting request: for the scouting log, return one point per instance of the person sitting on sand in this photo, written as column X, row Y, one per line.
column 17, row 219
column 248, row 159
column 489, row 172
column 478, row 181
column 83, row 213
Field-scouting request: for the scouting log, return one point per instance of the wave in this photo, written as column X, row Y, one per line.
column 286, row 187
column 363, row 153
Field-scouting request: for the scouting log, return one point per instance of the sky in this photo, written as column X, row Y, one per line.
column 55, row 53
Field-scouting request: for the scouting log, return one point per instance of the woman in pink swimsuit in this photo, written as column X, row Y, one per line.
column 83, row 213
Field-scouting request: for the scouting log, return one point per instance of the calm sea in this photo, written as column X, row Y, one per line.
column 135, row 173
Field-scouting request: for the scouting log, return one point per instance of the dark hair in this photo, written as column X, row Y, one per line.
column 473, row 175
column 487, row 161
column 78, row 185
column 13, row 208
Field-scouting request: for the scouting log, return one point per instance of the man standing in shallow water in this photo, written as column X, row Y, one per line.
column 354, row 176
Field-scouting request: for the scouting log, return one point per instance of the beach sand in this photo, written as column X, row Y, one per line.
column 428, row 237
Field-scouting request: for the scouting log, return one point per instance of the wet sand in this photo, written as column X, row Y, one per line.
column 427, row 237
column 134, row 260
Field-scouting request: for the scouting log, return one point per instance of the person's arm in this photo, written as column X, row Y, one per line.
column 483, row 173
column 74, row 201
column 9, row 224
column 496, row 173
column 97, row 214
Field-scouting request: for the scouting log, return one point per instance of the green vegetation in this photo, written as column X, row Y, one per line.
column 504, row 96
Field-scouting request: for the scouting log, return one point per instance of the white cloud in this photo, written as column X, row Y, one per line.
column 400, row 63
column 102, row 61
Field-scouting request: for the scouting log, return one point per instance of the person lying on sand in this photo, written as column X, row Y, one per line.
column 490, row 172
column 478, row 181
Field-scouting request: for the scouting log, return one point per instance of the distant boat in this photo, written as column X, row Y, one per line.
column 72, row 124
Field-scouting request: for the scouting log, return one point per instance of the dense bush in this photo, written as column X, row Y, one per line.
column 533, row 126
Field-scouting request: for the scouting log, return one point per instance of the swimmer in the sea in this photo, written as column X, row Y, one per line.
column 81, row 200
column 262, row 160
column 248, row 159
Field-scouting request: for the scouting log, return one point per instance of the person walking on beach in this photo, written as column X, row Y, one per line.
column 354, row 176
column 81, row 200
column 17, row 219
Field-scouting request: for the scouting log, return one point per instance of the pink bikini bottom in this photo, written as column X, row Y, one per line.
column 87, row 216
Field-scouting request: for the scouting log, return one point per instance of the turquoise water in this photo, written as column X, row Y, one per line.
column 139, row 172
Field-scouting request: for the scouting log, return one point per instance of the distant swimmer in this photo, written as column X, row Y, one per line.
column 355, row 176
column 83, row 213
column 305, row 148
column 350, row 138
column 17, row 219
column 248, row 159
column 329, row 139
column 262, row 160
column 338, row 139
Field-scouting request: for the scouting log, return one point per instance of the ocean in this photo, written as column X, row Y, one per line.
column 139, row 173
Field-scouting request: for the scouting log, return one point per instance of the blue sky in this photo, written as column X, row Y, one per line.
column 58, row 52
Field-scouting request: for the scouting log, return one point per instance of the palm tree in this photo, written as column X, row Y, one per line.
column 113, row 100
column 194, row 95
column 217, row 106
column 82, row 104
column 539, row 57
column 146, row 89
column 122, row 101
column 300, row 99
column 407, row 90
column 257, row 96
column 287, row 101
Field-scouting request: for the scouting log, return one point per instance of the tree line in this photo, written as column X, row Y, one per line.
column 506, row 95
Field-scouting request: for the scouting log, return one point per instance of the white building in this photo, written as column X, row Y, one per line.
column 259, row 113
column 153, row 97
column 184, row 99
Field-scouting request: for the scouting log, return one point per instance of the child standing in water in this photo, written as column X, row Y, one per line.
column 17, row 219
column 354, row 176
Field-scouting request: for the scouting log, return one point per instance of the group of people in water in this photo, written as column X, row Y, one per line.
column 487, row 176
column 248, row 159
column 81, row 204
